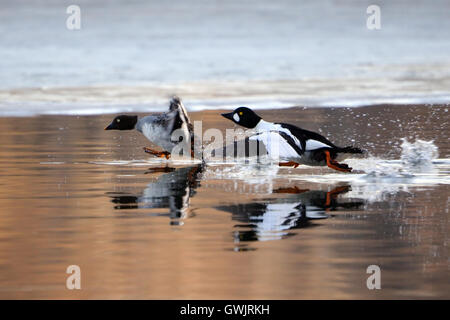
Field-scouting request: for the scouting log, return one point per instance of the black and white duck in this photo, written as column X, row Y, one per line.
column 291, row 144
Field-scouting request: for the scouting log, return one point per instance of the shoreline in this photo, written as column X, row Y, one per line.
column 198, row 96
column 33, row 109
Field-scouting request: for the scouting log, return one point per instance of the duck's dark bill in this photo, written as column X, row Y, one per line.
column 110, row 127
column 228, row 115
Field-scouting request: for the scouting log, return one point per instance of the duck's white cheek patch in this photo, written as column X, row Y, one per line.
column 236, row 117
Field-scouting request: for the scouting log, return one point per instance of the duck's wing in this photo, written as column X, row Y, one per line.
column 181, row 116
column 181, row 121
column 309, row 140
column 278, row 144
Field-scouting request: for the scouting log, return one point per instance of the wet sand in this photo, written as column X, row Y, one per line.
column 72, row 193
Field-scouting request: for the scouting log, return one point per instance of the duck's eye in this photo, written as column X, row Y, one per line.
column 241, row 113
column 118, row 120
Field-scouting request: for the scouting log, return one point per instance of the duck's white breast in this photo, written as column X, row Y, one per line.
column 156, row 133
column 276, row 146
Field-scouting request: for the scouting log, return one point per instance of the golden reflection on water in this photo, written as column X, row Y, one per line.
column 181, row 232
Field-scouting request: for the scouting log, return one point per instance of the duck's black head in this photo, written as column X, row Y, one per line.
column 243, row 116
column 123, row 122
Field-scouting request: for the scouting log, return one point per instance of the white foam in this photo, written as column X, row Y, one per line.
column 372, row 179
column 149, row 162
column 418, row 154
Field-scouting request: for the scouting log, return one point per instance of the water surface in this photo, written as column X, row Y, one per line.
column 72, row 193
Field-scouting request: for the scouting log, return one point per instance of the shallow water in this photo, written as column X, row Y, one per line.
column 73, row 194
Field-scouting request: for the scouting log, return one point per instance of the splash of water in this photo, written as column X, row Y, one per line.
column 420, row 153
column 418, row 156
column 375, row 179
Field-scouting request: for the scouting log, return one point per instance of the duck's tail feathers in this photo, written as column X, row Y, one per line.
column 350, row 149
column 176, row 104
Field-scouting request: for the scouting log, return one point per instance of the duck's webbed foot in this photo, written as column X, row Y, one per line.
column 289, row 164
column 160, row 154
column 333, row 164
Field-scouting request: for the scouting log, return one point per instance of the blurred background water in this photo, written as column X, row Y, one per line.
column 131, row 55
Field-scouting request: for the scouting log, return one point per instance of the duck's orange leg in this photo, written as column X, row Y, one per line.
column 161, row 154
column 334, row 193
column 336, row 165
column 289, row 164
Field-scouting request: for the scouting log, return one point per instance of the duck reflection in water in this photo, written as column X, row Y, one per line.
column 273, row 219
column 173, row 190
